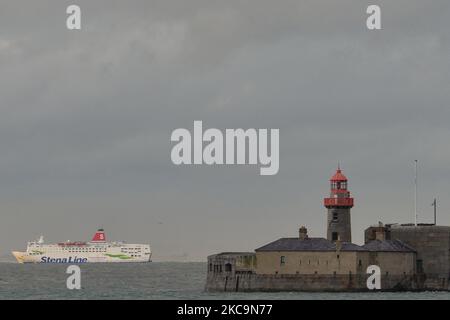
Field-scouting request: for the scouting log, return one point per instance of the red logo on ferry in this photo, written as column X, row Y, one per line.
column 99, row 236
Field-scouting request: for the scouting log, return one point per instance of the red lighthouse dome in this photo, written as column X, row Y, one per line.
column 338, row 176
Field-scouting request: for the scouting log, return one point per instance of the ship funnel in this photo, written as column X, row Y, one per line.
column 99, row 236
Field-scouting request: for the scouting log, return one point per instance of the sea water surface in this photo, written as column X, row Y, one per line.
column 155, row 280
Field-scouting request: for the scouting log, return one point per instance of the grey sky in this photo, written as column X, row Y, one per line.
column 86, row 118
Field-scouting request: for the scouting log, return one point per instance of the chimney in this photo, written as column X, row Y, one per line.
column 380, row 234
column 303, row 233
column 338, row 244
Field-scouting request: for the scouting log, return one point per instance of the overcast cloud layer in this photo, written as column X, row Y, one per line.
column 86, row 118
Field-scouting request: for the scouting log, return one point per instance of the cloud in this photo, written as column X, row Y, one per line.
column 86, row 117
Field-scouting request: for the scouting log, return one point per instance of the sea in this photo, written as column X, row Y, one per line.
column 155, row 280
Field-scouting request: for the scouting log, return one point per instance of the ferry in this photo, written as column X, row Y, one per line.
column 96, row 250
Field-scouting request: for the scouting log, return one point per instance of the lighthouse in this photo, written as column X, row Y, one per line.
column 338, row 205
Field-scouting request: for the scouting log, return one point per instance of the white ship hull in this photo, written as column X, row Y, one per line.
column 96, row 251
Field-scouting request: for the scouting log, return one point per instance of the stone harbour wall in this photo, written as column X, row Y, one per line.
column 248, row 282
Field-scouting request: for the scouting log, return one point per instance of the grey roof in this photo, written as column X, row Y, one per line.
column 422, row 227
column 388, row 246
column 309, row 244
column 232, row 254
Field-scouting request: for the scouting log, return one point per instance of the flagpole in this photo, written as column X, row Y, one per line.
column 415, row 192
column 434, row 205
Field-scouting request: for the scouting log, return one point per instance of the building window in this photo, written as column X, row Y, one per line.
column 282, row 260
column 334, row 236
column 360, row 263
column 228, row 267
column 419, row 266
column 335, row 217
